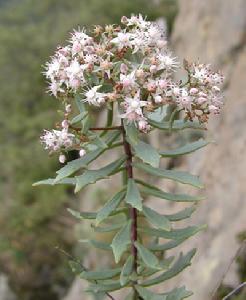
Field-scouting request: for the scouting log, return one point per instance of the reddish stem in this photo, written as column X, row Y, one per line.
column 132, row 210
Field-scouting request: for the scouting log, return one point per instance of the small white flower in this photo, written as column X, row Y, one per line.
column 94, row 97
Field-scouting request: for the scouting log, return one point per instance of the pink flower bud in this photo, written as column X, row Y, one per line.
column 162, row 83
column 151, row 87
column 153, row 68
column 123, row 68
column 126, row 82
column 193, row 91
column 64, row 124
column 82, row 152
column 62, row 158
column 76, row 47
column 158, row 99
column 140, row 73
column 124, row 20
column 201, row 100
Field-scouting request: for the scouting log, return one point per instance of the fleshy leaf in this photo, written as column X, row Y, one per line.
column 100, row 275
column 176, row 294
column 179, row 176
column 182, row 262
column 133, row 196
column 52, row 181
column 109, row 207
column 188, row 148
column 168, row 196
column 121, row 241
column 98, row 288
column 147, row 153
column 91, row 176
column 156, row 219
column 181, row 215
column 177, row 125
column 73, row 166
column 175, row 234
column 147, row 256
column 97, row 244
column 78, row 118
column 131, row 132
column 126, row 270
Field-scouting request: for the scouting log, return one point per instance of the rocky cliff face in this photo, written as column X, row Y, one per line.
column 215, row 32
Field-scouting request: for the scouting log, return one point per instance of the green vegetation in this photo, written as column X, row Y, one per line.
column 32, row 220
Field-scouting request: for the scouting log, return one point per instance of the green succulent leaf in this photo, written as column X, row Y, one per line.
column 121, row 241
column 147, row 153
column 156, row 219
column 131, row 132
column 52, row 181
column 159, row 114
column 133, row 196
column 79, row 117
column 82, row 215
column 126, row 270
column 177, row 125
column 179, row 176
column 109, row 207
column 188, row 148
column 181, row 215
column 109, row 228
column 99, row 288
column 154, row 191
column 175, row 234
column 182, row 262
column 176, row 294
column 97, row 244
column 91, row 176
column 147, row 256
column 79, row 163
column 100, row 275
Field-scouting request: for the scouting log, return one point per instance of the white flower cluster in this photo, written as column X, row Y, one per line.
column 132, row 65
column 57, row 140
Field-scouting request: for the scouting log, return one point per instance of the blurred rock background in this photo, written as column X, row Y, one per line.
column 34, row 221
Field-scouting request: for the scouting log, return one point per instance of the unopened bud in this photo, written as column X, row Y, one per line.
column 82, row 152
column 62, row 158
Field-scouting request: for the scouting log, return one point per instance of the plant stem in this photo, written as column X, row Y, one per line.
column 132, row 210
column 106, row 128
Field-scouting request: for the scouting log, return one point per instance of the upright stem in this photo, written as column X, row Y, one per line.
column 132, row 210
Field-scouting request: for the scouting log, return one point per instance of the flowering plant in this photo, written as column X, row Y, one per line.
column 129, row 68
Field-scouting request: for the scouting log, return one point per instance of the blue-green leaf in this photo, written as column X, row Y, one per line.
column 97, row 244
column 131, row 132
column 186, row 149
column 175, row 234
column 179, row 176
column 79, row 117
column 154, row 191
column 156, row 219
column 98, row 288
column 126, row 270
column 147, row 256
column 177, row 125
column 109, row 207
column 176, row 294
column 52, row 181
column 133, row 196
column 91, row 176
column 183, row 262
column 73, row 166
column 181, row 215
column 100, row 275
column 121, row 241
column 147, row 153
